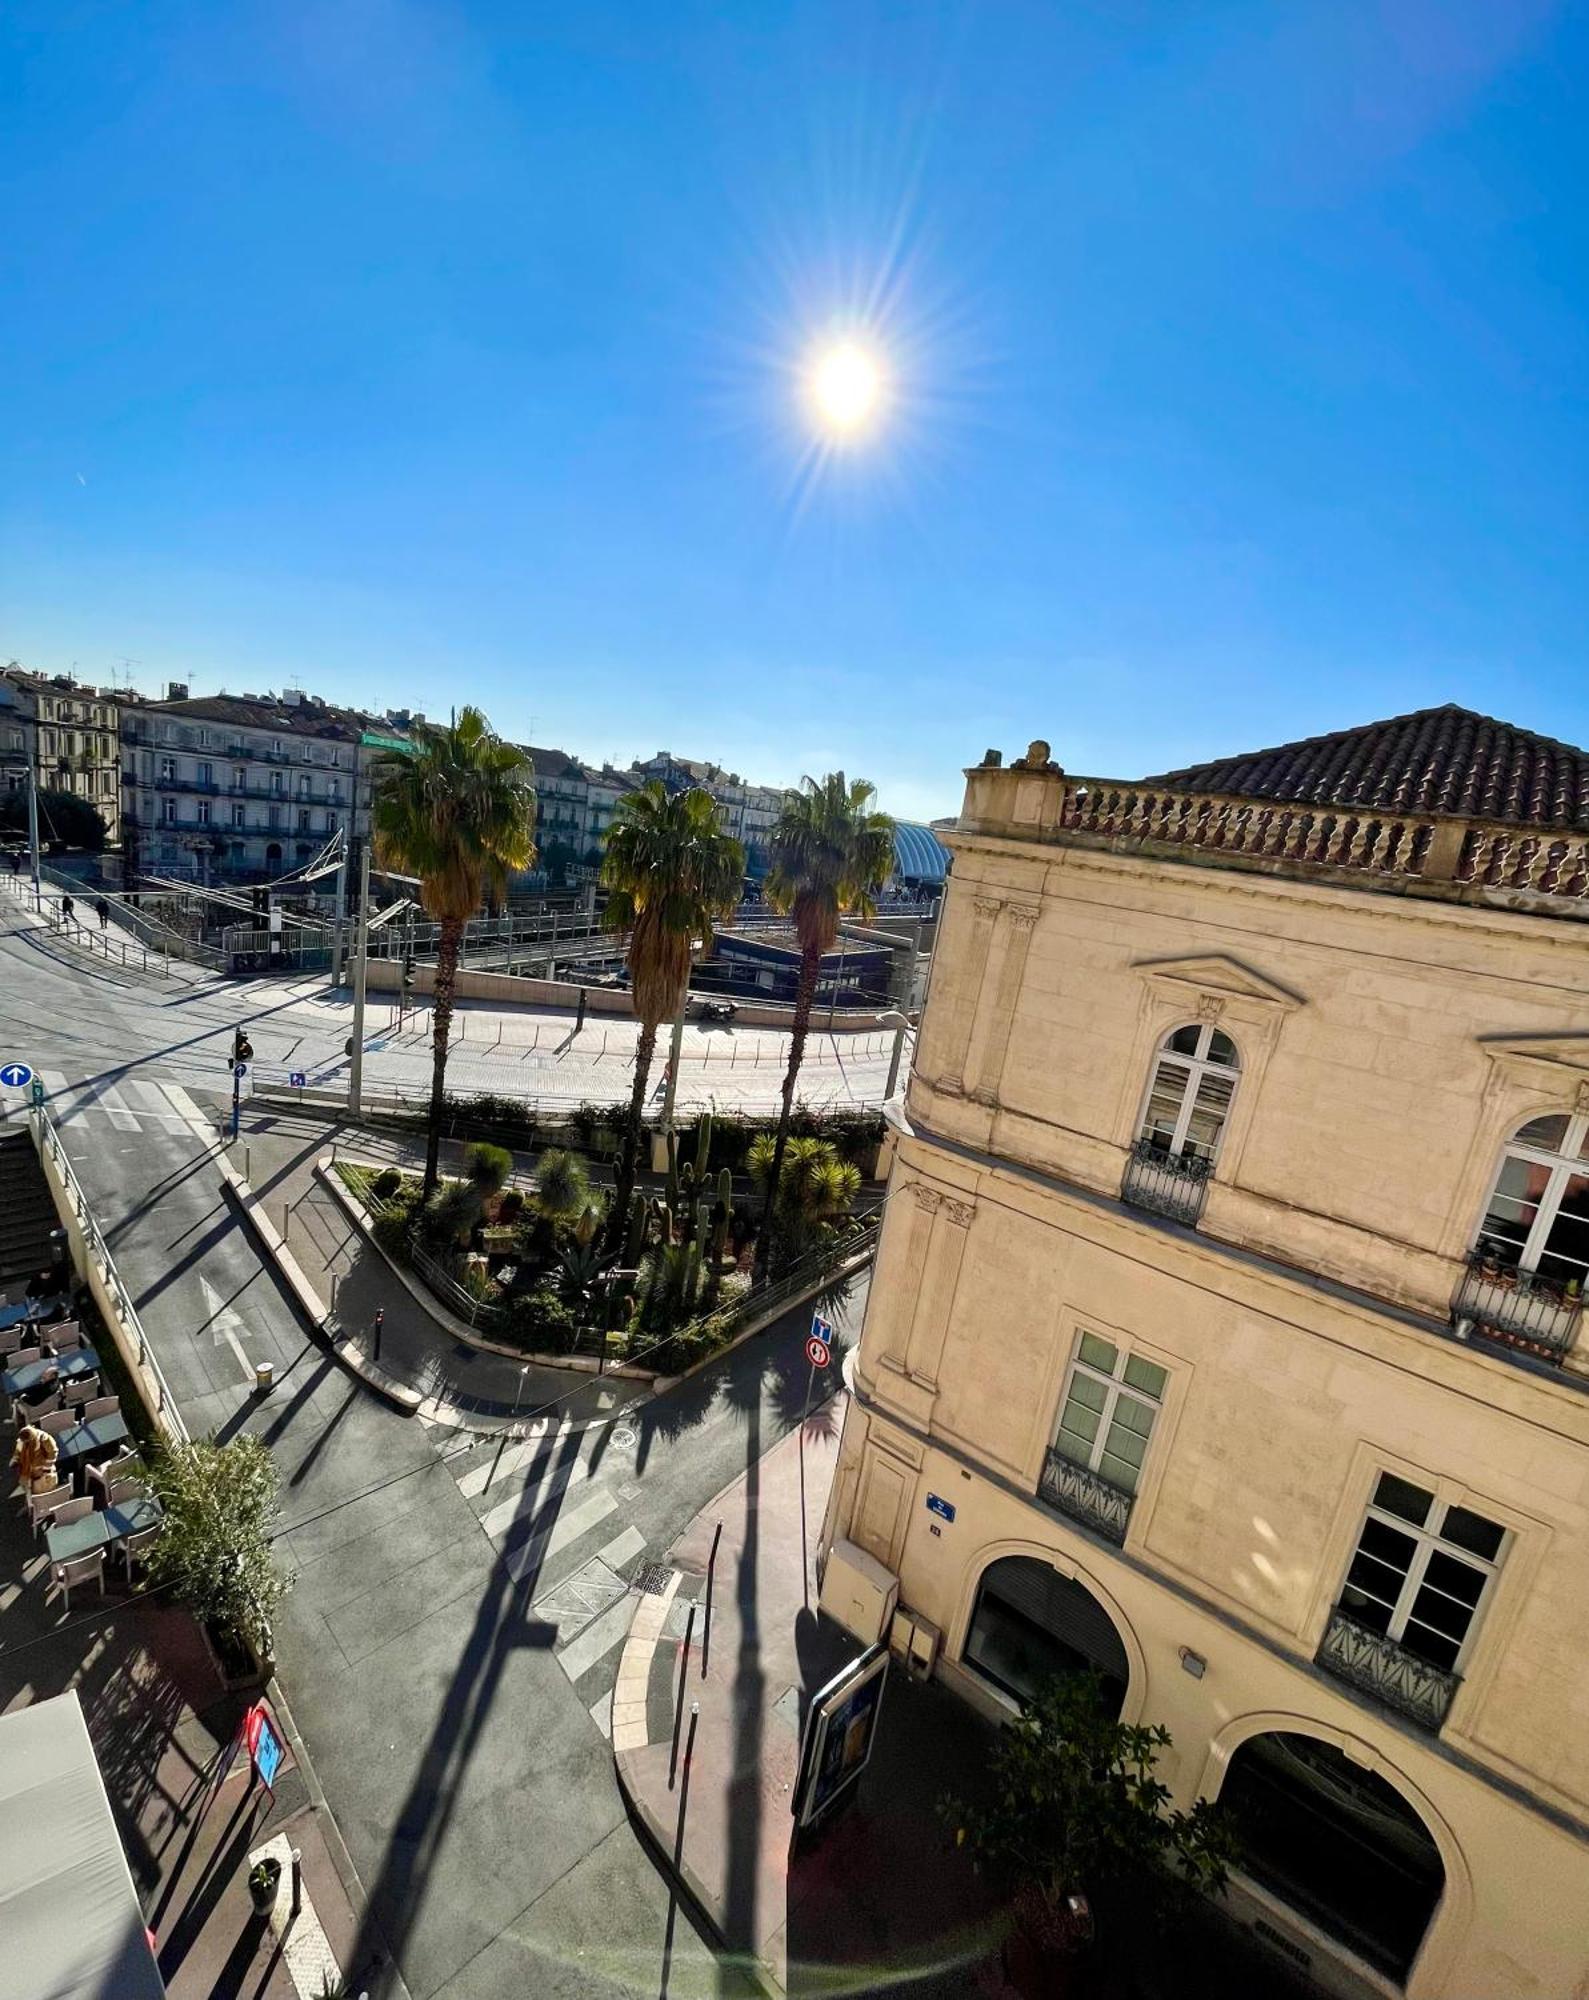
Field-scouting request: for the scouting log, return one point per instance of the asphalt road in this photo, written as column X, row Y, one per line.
column 181, row 1027
column 452, row 1638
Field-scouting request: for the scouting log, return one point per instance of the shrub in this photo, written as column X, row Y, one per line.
column 562, row 1186
column 449, row 1215
column 214, row 1546
column 511, row 1204
column 488, row 1166
column 391, row 1230
column 386, row 1183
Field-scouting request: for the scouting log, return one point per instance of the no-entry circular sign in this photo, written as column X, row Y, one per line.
column 817, row 1352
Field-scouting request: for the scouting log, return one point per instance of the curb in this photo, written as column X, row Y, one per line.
column 407, row 1402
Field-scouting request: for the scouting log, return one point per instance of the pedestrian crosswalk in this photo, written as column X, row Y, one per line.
column 559, row 1532
column 134, row 1104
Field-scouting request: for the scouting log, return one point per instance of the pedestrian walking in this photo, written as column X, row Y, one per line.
column 68, row 912
column 102, row 911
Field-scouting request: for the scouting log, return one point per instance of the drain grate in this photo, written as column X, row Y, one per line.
column 652, row 1578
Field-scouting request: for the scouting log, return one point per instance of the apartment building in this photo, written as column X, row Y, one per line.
column 68, row 733
column 748, row 812
column 1226, row 1334
column 242, row 787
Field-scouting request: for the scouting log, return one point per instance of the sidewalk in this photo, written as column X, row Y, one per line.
column 163, row 1729
column 883, row 1892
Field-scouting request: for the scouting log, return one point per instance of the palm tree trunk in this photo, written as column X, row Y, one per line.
column 805, row 994
column 628, row 1159
column 440, row 1028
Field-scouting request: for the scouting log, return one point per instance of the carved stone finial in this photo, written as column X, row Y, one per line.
column 992, row 759
column 1037, row 758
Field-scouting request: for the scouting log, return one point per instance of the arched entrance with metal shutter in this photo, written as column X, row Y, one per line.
column 1030, row 1623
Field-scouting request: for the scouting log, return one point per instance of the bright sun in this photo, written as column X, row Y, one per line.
column 846, row 388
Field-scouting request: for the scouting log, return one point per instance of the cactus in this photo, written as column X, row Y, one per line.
column 671, row 1190
column 692, row 1276
column 703, row 1222
column 687, row 1180
column 725, row 1192
column 703, row 1146
column 635, row 1240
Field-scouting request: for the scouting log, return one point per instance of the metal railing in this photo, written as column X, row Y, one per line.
column 148, row 930
column 1523, row 1309
column 47, row 1143
column 1168, row 1184
column 1382, row 1667
column 1084, row 1495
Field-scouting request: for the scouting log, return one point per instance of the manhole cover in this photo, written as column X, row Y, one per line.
column 652, row 1578
column 625, row 1438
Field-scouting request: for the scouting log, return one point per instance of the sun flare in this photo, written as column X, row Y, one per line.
column 846, row 388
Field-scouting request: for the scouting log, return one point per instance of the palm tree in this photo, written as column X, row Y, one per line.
column 458, row 812
column 670, row 872
column 830, row 853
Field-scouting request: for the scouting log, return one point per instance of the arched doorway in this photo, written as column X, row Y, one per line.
column 1337, row 1843
column 1030, row 1623
column 273, row 855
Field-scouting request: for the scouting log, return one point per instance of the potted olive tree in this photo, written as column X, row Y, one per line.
column 214, row 1547
column 1074, row 1805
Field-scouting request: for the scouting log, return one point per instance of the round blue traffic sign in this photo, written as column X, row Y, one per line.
column 15, row 1075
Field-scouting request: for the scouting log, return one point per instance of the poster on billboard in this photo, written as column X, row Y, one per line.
column 840, row 1728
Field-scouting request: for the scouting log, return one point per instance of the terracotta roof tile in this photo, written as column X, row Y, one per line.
column 1448, row 759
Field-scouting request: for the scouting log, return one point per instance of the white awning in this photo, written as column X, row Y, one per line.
column 69, row 1914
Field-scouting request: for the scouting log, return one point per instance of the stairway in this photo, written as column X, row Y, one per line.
column 27, row 1215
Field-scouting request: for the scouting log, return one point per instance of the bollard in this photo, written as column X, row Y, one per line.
column 380, row 1321
column 297, row 1881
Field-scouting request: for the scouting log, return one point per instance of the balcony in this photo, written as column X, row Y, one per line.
column 1085, row 1496
column 1522, row 1309
column 1383, row 1668
column 1167, row 1184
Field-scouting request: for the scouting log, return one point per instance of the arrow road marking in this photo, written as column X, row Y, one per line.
column 225, row 1325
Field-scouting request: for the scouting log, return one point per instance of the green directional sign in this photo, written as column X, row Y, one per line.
column 398, row 745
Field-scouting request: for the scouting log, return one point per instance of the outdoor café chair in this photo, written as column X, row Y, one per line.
column 42, row 1507
column 122, row 1490
column 82, row 1569
column 112, row 1470
column 102, row 1406
column 21, row 1356
column 74, row 1510
column 133, row 1547
column 83, row 1390
column 11, row 1338
column 65, row 1338
column 56, row 1422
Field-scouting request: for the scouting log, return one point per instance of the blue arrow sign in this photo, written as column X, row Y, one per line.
column 296, row 1079
column 15, row 1075
column 822, row 1329
column 239, row 1070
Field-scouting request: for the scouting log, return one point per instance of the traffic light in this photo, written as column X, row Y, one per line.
column 242, row 1047
column 408, row 973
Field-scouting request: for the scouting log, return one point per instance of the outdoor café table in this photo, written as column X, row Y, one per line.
column 101, row 1530
column 83, row 1439
column 34, row 1309
column 36, row 1374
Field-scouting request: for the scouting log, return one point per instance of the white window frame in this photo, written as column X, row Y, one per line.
column 239, row 813
column 1429, row 1542
column 1116, row 1389
column 1196, row 1066
column 204, row 812
column 1571, row 1163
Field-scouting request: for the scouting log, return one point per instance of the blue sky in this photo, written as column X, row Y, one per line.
column 429, row 353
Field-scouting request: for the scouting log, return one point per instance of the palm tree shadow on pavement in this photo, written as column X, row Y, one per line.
column 396, row 1897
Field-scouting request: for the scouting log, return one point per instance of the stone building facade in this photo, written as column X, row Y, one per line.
column 68, row 732
column 1226, row 1330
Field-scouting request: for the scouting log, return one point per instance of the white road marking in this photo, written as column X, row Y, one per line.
column 621, row 1548
column 111, row 1098
column 479, row 1477
column 598, row 1638
column 225, row 1325
column 601, row 1714
column 568, row 1527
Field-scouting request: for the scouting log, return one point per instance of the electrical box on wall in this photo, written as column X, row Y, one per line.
column 858, row 1592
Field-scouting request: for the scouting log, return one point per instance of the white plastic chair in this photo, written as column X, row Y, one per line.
column 101, row 1406
column 68, row 1576
column 134, row 1545
column 123, row 1490
column 83, row 1390
column 74, row 1510
column 65, row 1338
column 111, row 1470
column 11, row 1338
column 56, row 1422
column 42, row 1507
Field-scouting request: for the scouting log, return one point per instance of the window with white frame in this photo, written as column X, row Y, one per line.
column 1112, row 1398
column 239, row 813
column 1421, row 1571
column 1194, row 1079
column 1537, row 1216
column 168, row 770
column 204, row 812
column 168, row 811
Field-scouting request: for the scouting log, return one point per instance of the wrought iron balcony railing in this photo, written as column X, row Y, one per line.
column 1168, row 1184
column 1084, row 1495
column 1523, row 1309
column 1385, row 1669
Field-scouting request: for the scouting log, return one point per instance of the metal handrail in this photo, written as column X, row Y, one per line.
column 47, row 1140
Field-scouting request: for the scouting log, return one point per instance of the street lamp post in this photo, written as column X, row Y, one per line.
column 360, row 962
column 901, row 1027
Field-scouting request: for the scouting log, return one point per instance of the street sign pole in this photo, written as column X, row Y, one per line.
column 361, row 949
column 33, row 814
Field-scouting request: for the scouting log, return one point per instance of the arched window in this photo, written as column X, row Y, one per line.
column 1537, row 1218
column 1337, row 1843
column 1194, row 1079
column 1030, row 1623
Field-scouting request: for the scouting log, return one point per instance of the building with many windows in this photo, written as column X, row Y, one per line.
column 1226, row 1334
column 236, row 788
column 69, row 734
